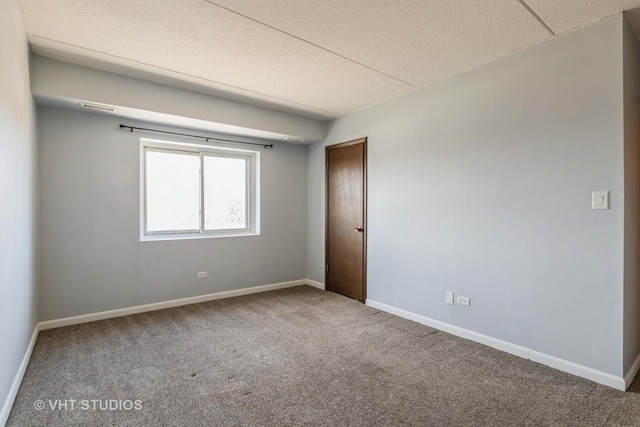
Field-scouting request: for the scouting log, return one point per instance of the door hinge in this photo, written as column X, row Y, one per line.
column 327, row 267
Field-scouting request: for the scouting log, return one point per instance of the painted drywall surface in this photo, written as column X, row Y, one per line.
column 481, row 185
column 18, row 311
column 91, row 256
column 316, row 210
column 55, row 79
column 631, row 197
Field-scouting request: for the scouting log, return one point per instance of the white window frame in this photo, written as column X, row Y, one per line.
column 252, row 226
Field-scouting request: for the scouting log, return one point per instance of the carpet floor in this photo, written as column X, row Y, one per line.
column 297, row 356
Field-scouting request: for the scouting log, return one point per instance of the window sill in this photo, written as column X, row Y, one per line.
column 194, row 236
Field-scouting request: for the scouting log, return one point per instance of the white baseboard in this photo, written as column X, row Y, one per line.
column 453, row 330
column 75, row 320
column 13, row 391
column 526, row 353
column 632, row 372
column 554, row 362
column 578, row 370
column 315, row 284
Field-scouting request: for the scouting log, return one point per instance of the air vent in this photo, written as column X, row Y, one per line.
column 293, row 139
column 97, row 107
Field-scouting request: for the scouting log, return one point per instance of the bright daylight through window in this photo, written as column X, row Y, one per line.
column 193, row 191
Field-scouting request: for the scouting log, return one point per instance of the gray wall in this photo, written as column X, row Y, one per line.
column 481, row 184
column 18, row 310
column 63, row 81
column 631, row 197
column 91, row 256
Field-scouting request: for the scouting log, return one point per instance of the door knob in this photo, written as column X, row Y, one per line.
column 359, row 229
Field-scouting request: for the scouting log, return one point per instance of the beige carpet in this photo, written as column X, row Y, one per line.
column 297, row 356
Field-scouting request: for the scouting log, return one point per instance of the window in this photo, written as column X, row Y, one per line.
column 194, row 191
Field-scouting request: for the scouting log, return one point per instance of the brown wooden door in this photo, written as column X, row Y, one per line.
column 346, row 218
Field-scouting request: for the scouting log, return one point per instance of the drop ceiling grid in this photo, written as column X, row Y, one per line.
column 415, row 41
column 197, row 38
column 317, row 57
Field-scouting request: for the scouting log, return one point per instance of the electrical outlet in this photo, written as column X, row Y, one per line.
column 463, row 300
column 202, row 274
column 449, row 297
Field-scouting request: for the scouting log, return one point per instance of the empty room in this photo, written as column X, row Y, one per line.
column 336, row 212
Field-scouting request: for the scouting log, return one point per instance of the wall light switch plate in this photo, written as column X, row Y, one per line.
column 600, row 200
column 202, row 274
column 449, row 298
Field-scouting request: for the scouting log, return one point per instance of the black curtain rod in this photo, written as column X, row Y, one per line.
column 206, row 138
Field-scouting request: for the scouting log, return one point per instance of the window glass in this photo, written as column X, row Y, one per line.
column 190, row 191
column 225, row 193
column 172, row 191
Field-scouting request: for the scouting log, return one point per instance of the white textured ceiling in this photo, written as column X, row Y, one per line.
column 416, row 41
column 319, row 58
column 565, row 15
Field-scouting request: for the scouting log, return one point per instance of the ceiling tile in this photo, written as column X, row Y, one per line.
column 321, row 57
column 416, row 41
column 566, row 15
column 200, row 39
